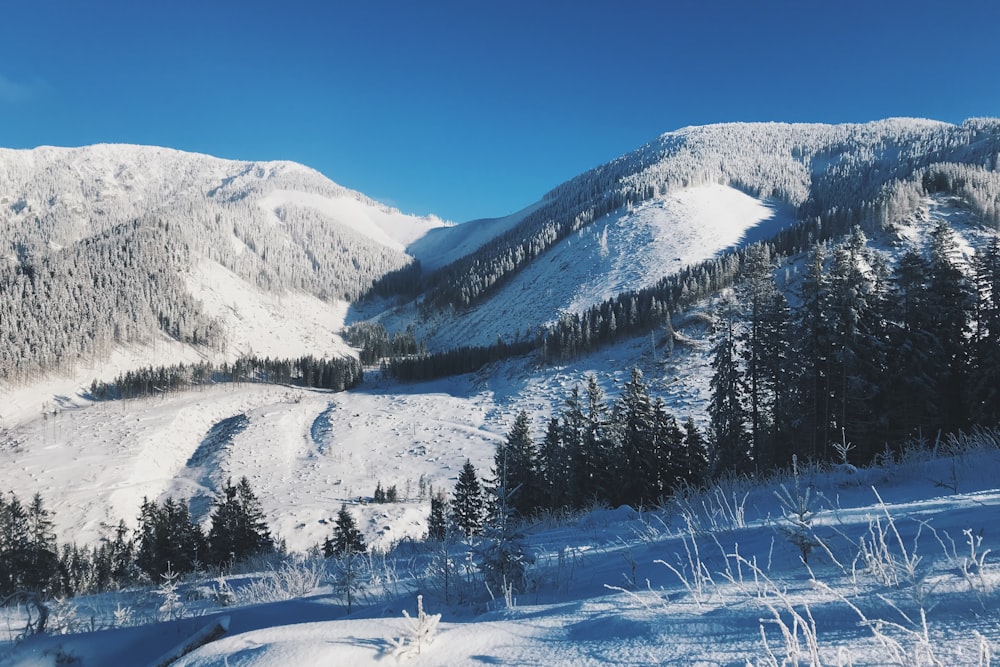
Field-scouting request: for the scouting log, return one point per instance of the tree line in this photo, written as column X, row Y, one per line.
column 336, row 374
column 166, row 540
column 870, row 356
column 627, row 451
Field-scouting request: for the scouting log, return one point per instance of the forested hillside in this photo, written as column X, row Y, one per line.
column 96, row 244
column 834, row 175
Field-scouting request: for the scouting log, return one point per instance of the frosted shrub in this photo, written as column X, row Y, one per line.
column 172, row 608
column 63, row 618
column 223, row 594
column 797, row 513
column 417, row 632
column 293, row 579
column 124, row 616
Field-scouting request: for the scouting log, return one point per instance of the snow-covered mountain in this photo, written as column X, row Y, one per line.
column 120, row 257
column 107, row 247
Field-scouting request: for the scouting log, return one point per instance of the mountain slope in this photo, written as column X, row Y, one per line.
column 839, row 174
column 109, row 246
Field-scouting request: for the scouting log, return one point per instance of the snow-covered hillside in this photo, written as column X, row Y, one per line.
column 118, row 257
column 111, row 246
column 629, row 249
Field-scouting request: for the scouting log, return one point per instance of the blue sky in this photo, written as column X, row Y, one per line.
column 474, row 109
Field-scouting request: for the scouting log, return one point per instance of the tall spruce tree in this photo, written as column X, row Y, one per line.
column 812, row 357
column 727, row 407
column 42, row 556
column 238, row 529
column 984, row 390
column 555, row 468
column 437, row 521
column 763, row 344
column 516, row 466
column 468, row 503
column 950, row 303
column 643, row 454
column 346, row 538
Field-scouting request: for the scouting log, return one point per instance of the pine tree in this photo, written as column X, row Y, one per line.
column 643, row 453
column 812, row 357
column 910, row 388
column 15, row 545
column 42, row 551
column 696, row 458
column 238, row 530
column 600, row 446
column 579, row 483
column 726, row 407
column 346, row 539
column 950, row 303
column 984, row 392
column 554, row 467
column 502, row 554
column 516, row 465
column 437, row 522
column 764, row 342
column 168, row 539
column 468, row 504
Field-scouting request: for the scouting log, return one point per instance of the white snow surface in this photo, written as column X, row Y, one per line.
column 441, row 246
column 617, row 587
column 628, row 249
column 382, row 224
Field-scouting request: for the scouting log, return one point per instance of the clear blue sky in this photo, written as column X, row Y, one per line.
column 474, row 108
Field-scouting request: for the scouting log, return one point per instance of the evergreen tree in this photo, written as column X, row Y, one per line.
column 555, row 468
column 15, row 545
column 42, row 557
column 346, row 539
column 726, row 407
column 643, row 454
column 600, row 447
column 516, row 465
column 468, row 504
column 579, row 482
column 696, row 458
column 812, row 358
column 857, row 344
column 910, row 388
column 437, row 522
column 949, row 303
column 238, row 530
column 168, row 539
column 984, row 391
column 764, row 343
column 502, row 554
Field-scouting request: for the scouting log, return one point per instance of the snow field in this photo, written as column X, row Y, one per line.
column 94, row 464
column 898, row 576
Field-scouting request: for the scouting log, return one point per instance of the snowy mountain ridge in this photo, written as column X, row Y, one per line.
column 239, row 258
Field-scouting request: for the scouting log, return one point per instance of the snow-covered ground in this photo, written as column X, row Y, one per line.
column 901, row 573
column 628, row 249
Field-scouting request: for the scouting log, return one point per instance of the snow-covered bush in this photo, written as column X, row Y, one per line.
column 293, row 578
column 417, row 632
column 797, row 513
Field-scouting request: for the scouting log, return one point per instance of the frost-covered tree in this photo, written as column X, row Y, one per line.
column 437, row 522
column 168, row 539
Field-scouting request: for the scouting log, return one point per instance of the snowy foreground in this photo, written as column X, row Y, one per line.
column 899, row 572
